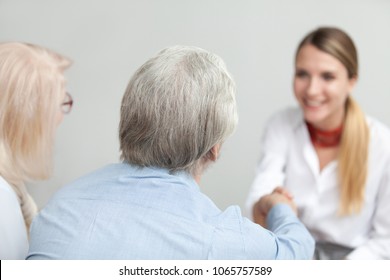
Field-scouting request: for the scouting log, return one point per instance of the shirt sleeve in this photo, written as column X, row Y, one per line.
column 239, row 238
column 270, row 171
column 378, row 246
column 293, row 239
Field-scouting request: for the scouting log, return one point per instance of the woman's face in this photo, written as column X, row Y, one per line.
column 321, row 86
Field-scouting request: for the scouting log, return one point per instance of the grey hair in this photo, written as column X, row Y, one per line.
column 177, row 106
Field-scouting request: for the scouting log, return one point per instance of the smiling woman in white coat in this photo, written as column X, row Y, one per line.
column 331, row 158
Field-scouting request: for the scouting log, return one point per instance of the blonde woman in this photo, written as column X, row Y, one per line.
column 331, row 158
column 33, row 100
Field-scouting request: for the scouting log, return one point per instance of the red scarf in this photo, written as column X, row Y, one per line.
column 325, row 138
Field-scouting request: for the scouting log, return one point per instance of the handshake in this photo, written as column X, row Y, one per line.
column 266, row 202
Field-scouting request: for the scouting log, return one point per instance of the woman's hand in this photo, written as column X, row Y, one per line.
column 266, row 202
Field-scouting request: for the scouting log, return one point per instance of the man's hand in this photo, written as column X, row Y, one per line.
column 266, row 202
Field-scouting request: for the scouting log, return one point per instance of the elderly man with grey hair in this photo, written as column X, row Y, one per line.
column 177, row 111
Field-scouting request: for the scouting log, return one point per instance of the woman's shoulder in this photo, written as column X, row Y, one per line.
column 378, row 128
column 379, row 134
column 6, row 189
column 13, row 235
column 9, row 202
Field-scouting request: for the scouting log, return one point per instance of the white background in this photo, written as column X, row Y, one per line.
column 109, row 269
column 109, row 39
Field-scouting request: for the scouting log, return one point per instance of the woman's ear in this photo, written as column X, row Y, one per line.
column 352, row 83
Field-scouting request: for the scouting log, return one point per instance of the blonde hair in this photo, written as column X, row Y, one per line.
column 353, row 156
column 31, row 90
column 177, row 106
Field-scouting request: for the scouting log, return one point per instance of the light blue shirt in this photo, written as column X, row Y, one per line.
column 125, row 212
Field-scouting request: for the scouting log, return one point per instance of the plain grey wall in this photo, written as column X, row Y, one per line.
column 108, row 40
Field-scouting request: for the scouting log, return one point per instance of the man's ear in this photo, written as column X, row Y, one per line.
column 213, row 153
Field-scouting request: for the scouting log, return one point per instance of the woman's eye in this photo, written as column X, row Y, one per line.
column 328, row 77
column 301, row 74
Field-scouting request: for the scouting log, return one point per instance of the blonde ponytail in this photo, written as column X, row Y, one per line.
column 353, row 159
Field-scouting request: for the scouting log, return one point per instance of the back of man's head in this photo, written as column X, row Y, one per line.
column 177, row 106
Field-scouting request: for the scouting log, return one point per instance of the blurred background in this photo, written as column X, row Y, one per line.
column 109, row 40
